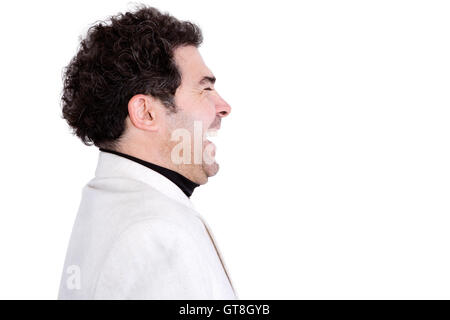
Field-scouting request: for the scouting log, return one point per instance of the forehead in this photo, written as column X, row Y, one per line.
column 191, row 64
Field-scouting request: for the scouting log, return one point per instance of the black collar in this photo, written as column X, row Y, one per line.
column 186, row 185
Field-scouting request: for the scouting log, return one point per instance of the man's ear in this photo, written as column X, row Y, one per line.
column 142, row 110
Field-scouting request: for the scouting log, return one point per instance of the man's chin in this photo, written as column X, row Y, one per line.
column 210, row 169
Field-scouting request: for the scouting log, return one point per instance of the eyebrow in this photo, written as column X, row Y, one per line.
column 207, row 79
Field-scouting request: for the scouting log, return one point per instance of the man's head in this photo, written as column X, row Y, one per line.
column 138, row 84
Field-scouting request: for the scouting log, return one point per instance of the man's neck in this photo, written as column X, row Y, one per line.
column 186, row 185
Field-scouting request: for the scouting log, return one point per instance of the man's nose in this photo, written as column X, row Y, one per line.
column 222, row 107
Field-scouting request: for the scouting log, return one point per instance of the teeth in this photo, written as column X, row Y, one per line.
column 212, row 133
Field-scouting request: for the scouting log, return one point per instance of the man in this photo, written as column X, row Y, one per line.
column 135, row 89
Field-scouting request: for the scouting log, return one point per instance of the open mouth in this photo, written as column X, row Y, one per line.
column 211, row 135
column 209, row 140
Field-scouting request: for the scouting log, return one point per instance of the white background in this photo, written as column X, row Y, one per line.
column 334, row 179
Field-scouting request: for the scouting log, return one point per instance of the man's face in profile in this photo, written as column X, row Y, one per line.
column 200, row 110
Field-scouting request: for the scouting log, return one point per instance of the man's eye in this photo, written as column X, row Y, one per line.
column 209, row 89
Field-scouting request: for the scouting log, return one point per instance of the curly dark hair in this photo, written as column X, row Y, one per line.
column 127, row 54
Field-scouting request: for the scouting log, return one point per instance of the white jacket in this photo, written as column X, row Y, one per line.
column 138, row 236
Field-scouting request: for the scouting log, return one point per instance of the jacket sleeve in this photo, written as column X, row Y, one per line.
column 153, row 259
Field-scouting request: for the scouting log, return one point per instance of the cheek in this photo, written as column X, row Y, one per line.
column 210, row 117
column 197, row 110
column 206, row 113
column 211, row 108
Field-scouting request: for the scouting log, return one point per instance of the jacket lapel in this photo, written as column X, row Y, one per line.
column 218, row 252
